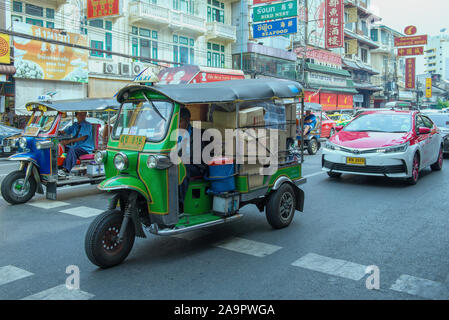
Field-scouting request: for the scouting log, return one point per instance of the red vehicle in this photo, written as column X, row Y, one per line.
column 328, row 126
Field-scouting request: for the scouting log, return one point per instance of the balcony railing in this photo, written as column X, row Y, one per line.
column 221, row 31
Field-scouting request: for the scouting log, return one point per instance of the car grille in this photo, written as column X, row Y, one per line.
column 358, row 151
column 366, row 169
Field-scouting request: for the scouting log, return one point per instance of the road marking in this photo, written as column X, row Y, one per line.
column 83, row 212
column 335, row 267
column 47, row 204
column 10, row 273
column 60, row 293
column 421, row 287
column 192, row 235
column 314, row 174
column 254, row 248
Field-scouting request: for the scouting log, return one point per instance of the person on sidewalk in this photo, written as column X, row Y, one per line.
column 83, row 142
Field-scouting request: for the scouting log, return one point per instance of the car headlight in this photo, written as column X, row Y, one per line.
column 100, row 157
column 331, row 146
column 23, row 143
column 395, row 149
column 121, row 161
column 158, row 162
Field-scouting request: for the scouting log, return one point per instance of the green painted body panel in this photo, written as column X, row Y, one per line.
column 197, row 200
column 197, row 219
column 291, row 172
column 121, row 181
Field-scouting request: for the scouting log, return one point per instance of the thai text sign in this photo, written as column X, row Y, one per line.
column 334, row 24
column 263, row 1
column 319, row 55
column 410, row 64
column 410, row 41
column 5, row 51
column 103, row 8
column 275, row 11
column 414, row 51
column 275, row 28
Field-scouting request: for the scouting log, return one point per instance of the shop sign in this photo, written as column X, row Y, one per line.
column 353, row 46
column 413, row 51
column 36, row 59
column 334, row 24
column 328, row 100
column 410, row 71
column 275, row 11
column 263, row 1
column 410, row 41
column 319, row 55
column 410, row 30
column 275, row 28
column 358, row 98
column 326, row 80
column 352, row 15
column 5, row 51
column 103, row 8
column 345, row 101
column 313, row 97
column 428, row 87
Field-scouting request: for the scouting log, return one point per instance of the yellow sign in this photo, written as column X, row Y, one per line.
column 133, row 143
column 429, row 88
column 5, row 51
column 352, row 15
column 43, row 60
column 353, row 47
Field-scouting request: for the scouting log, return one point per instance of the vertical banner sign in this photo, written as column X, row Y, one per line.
column 410, row 64
column 103, row 8
column 429, row 88
column 5, row 52
column 334, row 24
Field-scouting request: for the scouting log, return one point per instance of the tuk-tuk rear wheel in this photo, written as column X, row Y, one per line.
column 101, row 242
column 313, row 147
column 13, row 189
column 281, row 207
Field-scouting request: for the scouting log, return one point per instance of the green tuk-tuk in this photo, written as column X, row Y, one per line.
column 144, row 176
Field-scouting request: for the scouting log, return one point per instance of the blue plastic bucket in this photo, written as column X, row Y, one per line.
column 221, row 175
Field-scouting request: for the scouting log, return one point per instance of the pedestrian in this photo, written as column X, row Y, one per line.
column 11, row 116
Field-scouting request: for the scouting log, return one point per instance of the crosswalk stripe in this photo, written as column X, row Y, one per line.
column 10, row 273
column 420, row 287
column 250, row 247
column 335, row 267
column 83, row 212
column 47, row 204
column 60, row 293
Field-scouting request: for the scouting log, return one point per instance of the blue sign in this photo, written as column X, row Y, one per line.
column 275, row 28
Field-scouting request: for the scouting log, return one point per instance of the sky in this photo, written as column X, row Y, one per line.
column 429, row 16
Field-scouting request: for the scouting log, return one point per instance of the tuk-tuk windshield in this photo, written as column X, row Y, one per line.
column 144, row 119
column 42, row 121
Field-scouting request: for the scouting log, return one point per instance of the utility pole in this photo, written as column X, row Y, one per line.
column 306, row 41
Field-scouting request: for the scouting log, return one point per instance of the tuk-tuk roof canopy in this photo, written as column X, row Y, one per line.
column 74, row 105
column 222, row 92
column 312, row 106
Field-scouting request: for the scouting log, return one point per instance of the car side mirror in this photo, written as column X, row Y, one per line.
column 423, row 130
column 339, row 128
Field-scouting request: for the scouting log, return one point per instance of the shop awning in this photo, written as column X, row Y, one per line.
column 324, row 69
column 366, row 86
column 7, row 69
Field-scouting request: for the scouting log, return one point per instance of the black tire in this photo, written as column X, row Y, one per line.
column 96, row 250
column 278, row 216
column 415, row 176
column 313, row 147
column 334, row 175
column 437, row 166
column 12, row 182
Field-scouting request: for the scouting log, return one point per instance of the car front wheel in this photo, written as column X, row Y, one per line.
column 415, row 171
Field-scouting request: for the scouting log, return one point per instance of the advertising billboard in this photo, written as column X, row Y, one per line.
column 335, row 37
column 5, row 54
column 43, row 60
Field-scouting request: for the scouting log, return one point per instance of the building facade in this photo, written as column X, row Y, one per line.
column 436, row 56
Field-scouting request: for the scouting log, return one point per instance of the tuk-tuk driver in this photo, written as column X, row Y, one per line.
column 83, row 142
column 309, row 122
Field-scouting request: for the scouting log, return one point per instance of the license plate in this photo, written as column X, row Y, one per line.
column 7, row 149
column 356, row 161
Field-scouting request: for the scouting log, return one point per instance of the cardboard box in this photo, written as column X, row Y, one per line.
column 248, row 118
column 198, row 112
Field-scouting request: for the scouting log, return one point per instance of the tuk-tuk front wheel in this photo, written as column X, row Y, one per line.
column 15, row 190
column 102, row 244
column 281, row 207
column 313, row 147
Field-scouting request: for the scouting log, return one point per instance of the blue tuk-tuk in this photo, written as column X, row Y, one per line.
column 43, row 153
column 312, row 141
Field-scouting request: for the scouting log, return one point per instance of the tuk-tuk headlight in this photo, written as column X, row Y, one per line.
column 23, row 143
column 40, row 145
column 100, row 157
column 158, row 162
column 121, row 161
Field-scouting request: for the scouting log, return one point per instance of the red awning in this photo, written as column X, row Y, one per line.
column 7, row 69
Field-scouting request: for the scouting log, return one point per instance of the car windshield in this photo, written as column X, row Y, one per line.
column 381, row 122
column 441, row 120
column 144, row 119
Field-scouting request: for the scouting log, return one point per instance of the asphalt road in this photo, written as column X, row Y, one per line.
column 348, row 224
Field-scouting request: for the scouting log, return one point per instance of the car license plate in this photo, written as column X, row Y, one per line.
column 356, row 161
column 7, row 149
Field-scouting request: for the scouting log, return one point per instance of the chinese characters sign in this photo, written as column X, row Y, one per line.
column 414, row 51
column 5, row 54
column 410, row 64
column 334, row 24
column 275, row 11
column 410, row 41
column 275, row 28
column 103, row 8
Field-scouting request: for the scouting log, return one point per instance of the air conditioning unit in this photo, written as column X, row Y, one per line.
column 110, row 68
column 124, row 68
column 138, row 68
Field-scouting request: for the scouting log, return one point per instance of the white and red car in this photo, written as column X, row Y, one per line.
column 390, row 143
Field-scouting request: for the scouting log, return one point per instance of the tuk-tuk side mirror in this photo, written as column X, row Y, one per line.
column 339, row 128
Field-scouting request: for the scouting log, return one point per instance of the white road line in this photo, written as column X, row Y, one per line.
column 83, row 212
column 60, row 293
column 421, row 287
column 10, row 273
column 254, row 248
column 335, row 267
column 47, row 204
column 192, row 235
column 314, row 174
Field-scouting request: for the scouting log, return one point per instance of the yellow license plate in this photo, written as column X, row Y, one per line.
column 356, row 161
column 129, row 142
